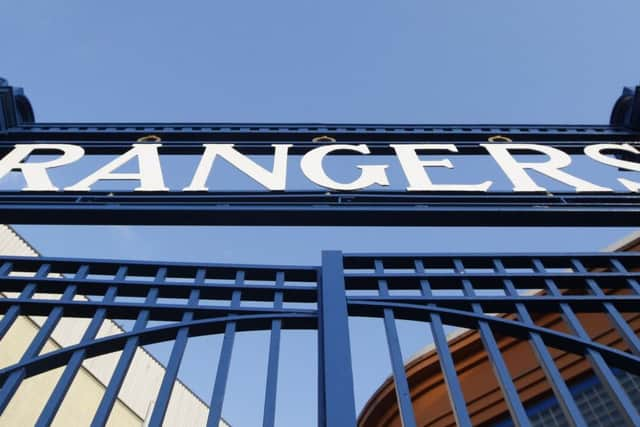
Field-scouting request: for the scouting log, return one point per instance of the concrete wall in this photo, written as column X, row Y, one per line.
column 138, row 391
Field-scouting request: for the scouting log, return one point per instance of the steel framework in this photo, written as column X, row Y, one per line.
column 343, row 285
column 314, row 207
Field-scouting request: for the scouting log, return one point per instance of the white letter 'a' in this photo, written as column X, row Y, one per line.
column 275, row 180
column 416, row 174
column 311, row 165
column 522, row 182
column 595, row 152
column 149, row 175
column 35, row 174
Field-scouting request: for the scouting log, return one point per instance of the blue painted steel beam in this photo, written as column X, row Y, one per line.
column 29, row 289
column 269, row 412
column 479, row 259
column 619, row 322
column 445, row 358
column 336, row 401
column 401, row 385
column 126, row 357
column 175, row 269
column 501, row 371
column 478, row 212
column 378, row 146
column 520, row 330
column 153, row 335
column 73, row 365
column 600, row 367
column 224, row 361
column 172, row 289
column 336, row 273
column 175, row 359
column 309, row 272
column 288, row 132
column 11, row 384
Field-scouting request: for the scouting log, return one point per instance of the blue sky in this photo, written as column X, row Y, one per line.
column 308, row 61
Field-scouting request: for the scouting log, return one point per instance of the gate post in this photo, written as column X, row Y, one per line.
column 336, row 402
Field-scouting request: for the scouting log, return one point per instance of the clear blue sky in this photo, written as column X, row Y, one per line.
column 306, row 61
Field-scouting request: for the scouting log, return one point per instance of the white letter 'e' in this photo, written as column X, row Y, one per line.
column 522, row 182
column 416, row 174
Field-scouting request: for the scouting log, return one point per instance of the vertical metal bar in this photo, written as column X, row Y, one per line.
column 565, row 400
column 600, row 367
column 224, row 362
column 336, row 402
column 397, row 364
column 111, row 393
column 456, row 398
column 28, row 291
column 5, row 269
column 14, row 380
column 64, row 382
column 177, row 352
column 269, row 413
column 512, row 399
column 621, row 325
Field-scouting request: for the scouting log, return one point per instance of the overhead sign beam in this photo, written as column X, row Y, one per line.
column 426, row 201
column 103, row 136
column 321, row 209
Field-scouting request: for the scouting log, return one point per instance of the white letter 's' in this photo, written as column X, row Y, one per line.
column 311, row 165
column 149, row 175
column 595, row 152
column 522, row 182
column 274, row 180
column 35, row 174
column 416, row 174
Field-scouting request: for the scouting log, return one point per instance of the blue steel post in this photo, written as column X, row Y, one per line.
column 336, row 402
column 600, row 367
column 224, row 362
column 559, row 387
column 117, row 378
column 177, row 352
column 403, row 394
column 73, row 366
column 269, row 413
column 454, row 390
column 11, row 385
column 512, row 399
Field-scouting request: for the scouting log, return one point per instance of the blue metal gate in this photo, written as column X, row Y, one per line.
column 344, row 285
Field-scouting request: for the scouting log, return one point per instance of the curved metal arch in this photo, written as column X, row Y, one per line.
column 464, row 319
column 112, row 343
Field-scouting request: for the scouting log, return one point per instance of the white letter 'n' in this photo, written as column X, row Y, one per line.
column 272, row 180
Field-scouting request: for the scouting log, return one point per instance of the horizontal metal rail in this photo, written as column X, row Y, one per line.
column 321, row 209
column 289, row 132
column 301, row 146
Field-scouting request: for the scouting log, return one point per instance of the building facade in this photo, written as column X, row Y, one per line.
column 136, row 395
column 483, row 396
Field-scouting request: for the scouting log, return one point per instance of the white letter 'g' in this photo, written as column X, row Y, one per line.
column 311, row 165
